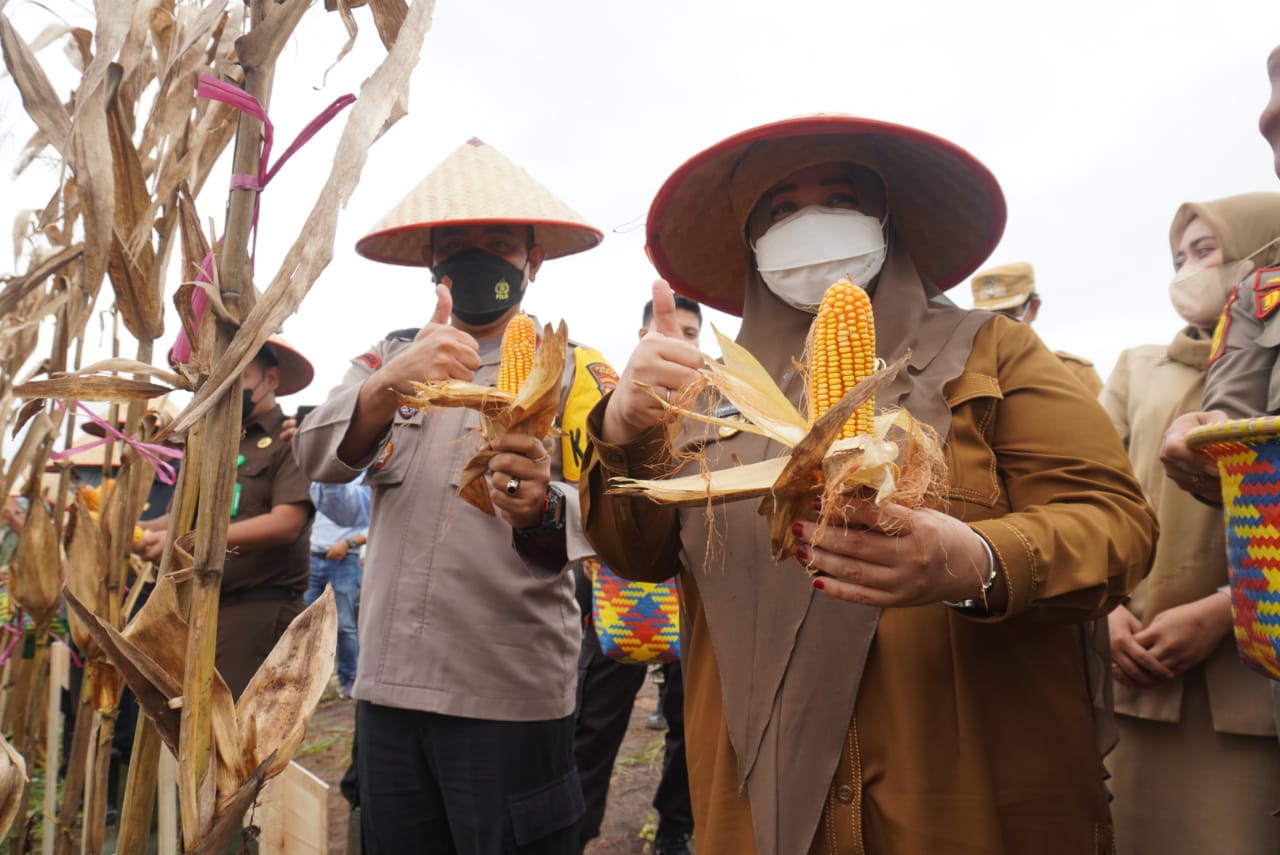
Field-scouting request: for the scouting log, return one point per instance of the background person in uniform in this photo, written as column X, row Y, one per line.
column 268, row 540
column 338, row 533
column 469, row 630
column 1197, row 753
column 1010, row 289
column 1243, row 381
column 607, row 692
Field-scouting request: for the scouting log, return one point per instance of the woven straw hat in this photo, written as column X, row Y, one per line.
column 476, row 184
column 296, row 371
column 1003, row 287
column 943, row 204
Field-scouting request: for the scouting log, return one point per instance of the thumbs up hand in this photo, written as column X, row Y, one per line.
column 438, row 352
column 664, row 360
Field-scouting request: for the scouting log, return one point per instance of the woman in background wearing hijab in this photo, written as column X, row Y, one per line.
column 1197, row 763
column 926, row 693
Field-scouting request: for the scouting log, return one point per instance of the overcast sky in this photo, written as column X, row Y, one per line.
column 1098, row 119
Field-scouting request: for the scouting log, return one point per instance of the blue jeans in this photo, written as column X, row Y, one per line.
column 345, row 577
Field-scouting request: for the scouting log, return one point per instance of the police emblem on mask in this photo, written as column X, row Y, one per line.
column 502, row 290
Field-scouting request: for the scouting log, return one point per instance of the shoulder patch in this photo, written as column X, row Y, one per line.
column 369, row 360
column 1219, row 343
column 606, row 378
column 1266, row 292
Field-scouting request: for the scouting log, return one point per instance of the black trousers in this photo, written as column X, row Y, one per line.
column 606, row 693
column 445, row 785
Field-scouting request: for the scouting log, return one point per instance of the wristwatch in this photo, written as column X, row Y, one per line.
column 552, row 515
column 351, row 543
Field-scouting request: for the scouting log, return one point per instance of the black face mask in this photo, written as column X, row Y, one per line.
column 483, row 285
column 246, row 405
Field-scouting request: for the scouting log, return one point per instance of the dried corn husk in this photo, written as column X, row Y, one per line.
column 13, row 784
column 36, row 579
column 531, row 411
column 879, row 464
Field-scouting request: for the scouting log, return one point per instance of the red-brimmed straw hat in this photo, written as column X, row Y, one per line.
column 296, row 371
column 943, row 204
column 476, row 184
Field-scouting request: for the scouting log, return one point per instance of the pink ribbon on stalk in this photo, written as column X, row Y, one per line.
column 219, row 90
column 151, row 452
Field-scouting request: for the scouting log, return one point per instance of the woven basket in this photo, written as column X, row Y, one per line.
column 636, row 622
column 1247, row 452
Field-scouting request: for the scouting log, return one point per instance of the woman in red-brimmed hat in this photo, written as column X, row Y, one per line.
column 928, row 691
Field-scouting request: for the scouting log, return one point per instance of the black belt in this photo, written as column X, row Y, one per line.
column 259, row 595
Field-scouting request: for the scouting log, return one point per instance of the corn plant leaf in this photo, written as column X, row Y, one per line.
column 96, row 388
column 277, row 704
column 149, row 680
column 38, row 95
column 313, row 249
column 388, row 17
column 92, row 164
column 111, row 25
column 17, row 289
column 130, row 263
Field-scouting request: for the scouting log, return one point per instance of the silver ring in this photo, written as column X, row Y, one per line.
column 513, row 486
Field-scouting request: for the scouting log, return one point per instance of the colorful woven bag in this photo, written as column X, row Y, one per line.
column 636, row 621
column 1247, row 452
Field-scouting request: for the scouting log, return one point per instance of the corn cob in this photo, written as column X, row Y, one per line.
column 842, row 353
column 519, row 341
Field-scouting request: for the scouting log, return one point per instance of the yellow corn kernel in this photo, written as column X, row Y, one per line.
column 90, row 496
column 519, row 341
column 842, row 353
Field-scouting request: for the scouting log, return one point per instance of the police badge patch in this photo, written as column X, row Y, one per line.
column 1266, row 292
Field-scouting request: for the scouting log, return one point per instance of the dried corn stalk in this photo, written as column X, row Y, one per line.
column 530, row 410
column 835, row 451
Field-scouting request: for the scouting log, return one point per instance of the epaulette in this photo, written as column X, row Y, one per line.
column 1071, row 357
column 403, row 335
column 1266, row 292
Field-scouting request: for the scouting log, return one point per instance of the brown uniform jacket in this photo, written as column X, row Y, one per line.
column 1081, row 369
column 262, row 589
column 962, row 735
column 1150, row 386
column 453, row 619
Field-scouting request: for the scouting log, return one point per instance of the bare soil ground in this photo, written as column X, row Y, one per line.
column 629, row 820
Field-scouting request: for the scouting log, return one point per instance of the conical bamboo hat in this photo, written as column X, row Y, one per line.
column 476, row 184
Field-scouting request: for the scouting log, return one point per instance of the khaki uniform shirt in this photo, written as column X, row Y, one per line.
column 1150, row 386
column 453, row 619
column 963, row 735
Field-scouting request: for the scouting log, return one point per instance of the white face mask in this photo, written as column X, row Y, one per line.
column 804, row 253
column 1200, row 294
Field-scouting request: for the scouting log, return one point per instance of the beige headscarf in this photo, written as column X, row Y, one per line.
column 1243, row 225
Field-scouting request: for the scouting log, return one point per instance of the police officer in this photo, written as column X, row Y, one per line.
column 469, row 632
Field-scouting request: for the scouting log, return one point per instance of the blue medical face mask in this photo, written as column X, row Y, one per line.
column 484, row 286
column 804, row 253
